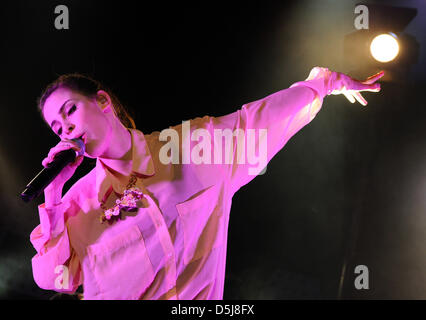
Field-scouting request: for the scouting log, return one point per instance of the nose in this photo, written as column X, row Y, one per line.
column 69, row 127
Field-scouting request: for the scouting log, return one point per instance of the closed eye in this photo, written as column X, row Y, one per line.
column 72, row 109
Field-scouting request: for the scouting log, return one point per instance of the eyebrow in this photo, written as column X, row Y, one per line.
column 61, row 109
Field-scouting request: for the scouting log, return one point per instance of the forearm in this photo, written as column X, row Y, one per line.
column 52, row 195
column 283, row 113
column 50, row 239
column 290, row 102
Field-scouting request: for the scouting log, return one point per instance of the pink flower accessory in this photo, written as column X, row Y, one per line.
column 128, row 202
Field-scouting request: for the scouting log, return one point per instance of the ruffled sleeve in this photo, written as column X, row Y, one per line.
column 55, row 266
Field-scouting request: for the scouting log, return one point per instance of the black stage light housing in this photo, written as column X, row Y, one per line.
column 382, row 20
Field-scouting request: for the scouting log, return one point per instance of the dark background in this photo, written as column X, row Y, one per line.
column 347, row 190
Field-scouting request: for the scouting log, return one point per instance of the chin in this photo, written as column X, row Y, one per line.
column 92, row 152
column 98, row 147
column 90, row 156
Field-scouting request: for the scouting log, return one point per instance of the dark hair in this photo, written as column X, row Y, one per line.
column 89, row 87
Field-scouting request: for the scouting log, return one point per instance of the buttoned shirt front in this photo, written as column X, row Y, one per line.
column 174, row 245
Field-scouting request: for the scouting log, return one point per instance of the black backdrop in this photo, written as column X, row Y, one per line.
column 346, row 190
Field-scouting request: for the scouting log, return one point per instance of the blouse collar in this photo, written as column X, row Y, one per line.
column 142, row 166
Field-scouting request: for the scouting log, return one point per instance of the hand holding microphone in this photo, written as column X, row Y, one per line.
column 59, row 167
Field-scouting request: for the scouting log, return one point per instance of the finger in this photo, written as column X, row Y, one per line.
column 63, row 147
column 349, row 96
column 358, row 96
column 374, row 78
column 360, row 86
column 55, row 151
column 78, row 160
column 48, row 160
column 74, row 145
column 372, row 87
column 44, row 162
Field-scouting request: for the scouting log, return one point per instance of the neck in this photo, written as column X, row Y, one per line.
column 119, row 157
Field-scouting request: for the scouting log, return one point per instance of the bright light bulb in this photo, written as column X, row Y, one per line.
column 384, row 47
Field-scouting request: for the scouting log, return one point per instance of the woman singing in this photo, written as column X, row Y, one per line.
column 150, row 221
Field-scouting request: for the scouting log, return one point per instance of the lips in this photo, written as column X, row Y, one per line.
column 82, row 137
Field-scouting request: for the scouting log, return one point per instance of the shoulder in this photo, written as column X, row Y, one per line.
column 179, row 128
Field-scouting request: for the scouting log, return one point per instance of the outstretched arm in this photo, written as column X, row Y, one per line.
column 261, row 128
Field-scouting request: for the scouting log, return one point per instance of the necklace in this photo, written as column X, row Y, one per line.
column 128, row 202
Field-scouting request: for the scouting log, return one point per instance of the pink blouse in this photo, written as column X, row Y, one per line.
column 174, row 245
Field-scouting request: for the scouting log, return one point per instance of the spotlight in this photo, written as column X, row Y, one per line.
column 384, row 47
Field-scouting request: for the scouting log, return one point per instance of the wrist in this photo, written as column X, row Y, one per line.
column 320, row 80
column 52, row 195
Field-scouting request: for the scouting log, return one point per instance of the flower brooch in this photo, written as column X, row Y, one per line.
column 128, row 202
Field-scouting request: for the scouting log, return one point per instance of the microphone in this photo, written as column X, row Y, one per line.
column 46, row 175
